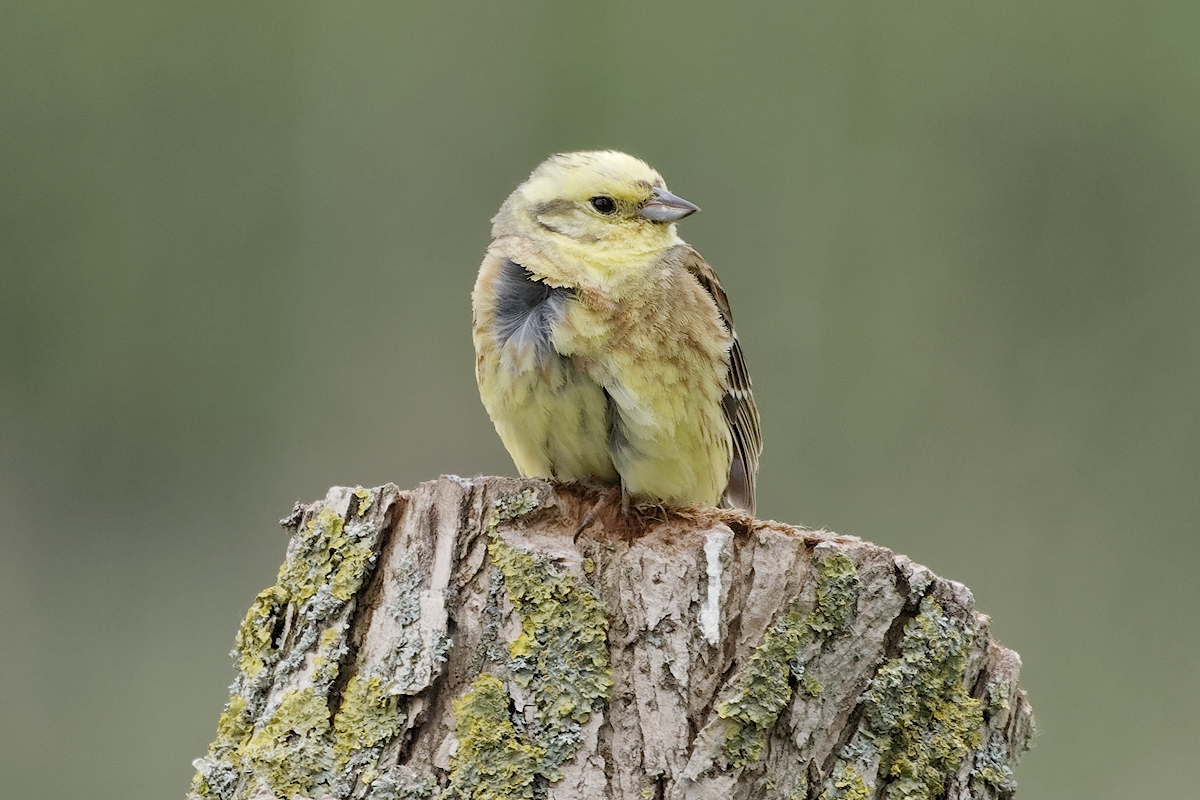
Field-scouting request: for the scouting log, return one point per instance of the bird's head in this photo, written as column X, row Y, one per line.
column 605, row 208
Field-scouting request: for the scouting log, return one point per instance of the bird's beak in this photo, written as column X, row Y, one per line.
column 666, row 207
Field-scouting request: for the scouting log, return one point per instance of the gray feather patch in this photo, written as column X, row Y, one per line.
column 526, row 309
column 618, row 438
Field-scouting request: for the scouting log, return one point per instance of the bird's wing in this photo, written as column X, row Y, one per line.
column 738, row 403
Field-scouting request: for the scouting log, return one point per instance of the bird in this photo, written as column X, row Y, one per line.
column 605, row 347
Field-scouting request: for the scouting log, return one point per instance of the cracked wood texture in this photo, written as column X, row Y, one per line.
column 498, row 638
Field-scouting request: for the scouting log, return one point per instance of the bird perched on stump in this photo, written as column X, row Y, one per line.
column 604, row 344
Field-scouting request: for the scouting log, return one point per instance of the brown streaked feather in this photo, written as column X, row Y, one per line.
column 741, row 414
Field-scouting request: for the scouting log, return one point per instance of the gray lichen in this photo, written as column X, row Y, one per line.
column 992, row 765
column 404, row 607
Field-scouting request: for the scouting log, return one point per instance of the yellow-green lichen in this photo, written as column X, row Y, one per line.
column 289, row 751
column 220, row 772
column 287, row 740
column 328, row 560
column 234, row 726
column 493, row 762
column 327, row 662
column 253, row 641
column 811, row 686
column 762, row 690
column 203, row 789
column 838, row 586
column 322, row 548
column 364, row 500
column 997, row 697
column 312, row 560
column 295, row 749
column 916, row 709
column 357, row 559
column 560, row 656
column 765, row 687
column 846, row 783
column 561, row 653
column 368, row 717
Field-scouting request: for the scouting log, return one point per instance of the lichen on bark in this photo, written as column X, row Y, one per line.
column 774, row 670
column 493, row 761
column 562, row 651
column 560, row 656
column 270, row 733
column 917, row 710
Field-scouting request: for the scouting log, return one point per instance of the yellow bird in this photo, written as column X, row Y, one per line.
column 604, row 345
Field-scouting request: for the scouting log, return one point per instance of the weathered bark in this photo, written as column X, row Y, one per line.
column 498, row 638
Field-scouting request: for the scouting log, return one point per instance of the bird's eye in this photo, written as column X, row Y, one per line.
column 603, row 204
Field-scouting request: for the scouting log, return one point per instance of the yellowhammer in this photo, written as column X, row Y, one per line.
column 604, row 343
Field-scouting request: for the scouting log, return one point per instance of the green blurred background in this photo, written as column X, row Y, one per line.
column 237, row 242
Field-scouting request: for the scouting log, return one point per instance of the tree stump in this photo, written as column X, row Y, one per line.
column 498, row 638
